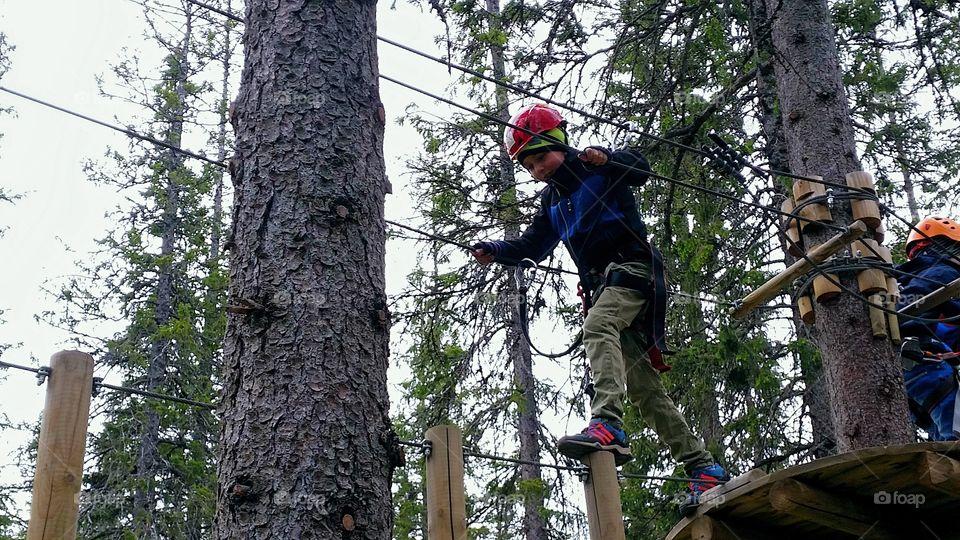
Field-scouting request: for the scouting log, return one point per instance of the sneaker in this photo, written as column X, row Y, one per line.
column 713, row 475
column 599, row 435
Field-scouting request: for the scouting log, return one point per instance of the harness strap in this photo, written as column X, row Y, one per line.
column 656, row 307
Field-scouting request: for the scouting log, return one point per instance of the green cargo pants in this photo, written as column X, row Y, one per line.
column 620, row 366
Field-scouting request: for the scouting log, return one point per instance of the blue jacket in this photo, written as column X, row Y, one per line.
column 591, row 210
column 932, row 272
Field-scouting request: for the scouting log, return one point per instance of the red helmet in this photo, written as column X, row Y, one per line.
column 929, row 228
column 538, row 118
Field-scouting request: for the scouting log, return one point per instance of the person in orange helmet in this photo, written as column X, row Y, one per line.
column 930, row 365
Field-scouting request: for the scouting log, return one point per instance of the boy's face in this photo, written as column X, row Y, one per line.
column 543, row 165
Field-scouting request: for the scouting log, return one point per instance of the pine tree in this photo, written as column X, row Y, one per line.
column 869, row 405
column 152, row 464
column 304, row 444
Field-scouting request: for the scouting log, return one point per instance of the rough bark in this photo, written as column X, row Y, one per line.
column 304, row 447
column 863, row 380
column 528, row 421
column 815, row 396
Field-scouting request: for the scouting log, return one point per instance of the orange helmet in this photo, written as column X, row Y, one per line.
column 929, row 228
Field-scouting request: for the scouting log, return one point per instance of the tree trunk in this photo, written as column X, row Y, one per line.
column 305, row 405
column 528, row 423
column 863, row 380
column 814, row 394
column 145, row 496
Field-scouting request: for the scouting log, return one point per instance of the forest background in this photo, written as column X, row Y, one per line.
column 148, row 297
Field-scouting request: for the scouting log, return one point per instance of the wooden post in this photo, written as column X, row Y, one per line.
column 602, row 490
column 63, row 436
column 771, row 288
column 446, row 495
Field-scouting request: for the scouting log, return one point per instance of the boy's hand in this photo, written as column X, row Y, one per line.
column 483, row 252
column 594, row 157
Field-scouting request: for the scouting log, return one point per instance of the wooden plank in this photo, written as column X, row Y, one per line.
column 63, row 435
column 602, row 491
column 773, row 287
column 837, row 513
column 446, row 495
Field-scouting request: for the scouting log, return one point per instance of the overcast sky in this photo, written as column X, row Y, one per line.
column 61, row 46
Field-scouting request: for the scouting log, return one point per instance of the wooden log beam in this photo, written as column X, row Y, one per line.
column 826, row 509
column 446, row 495
column 63, row 436
column 773, row 287
column 602, row 490
column 932, row 300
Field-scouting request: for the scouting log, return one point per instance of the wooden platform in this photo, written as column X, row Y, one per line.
column 909, row 492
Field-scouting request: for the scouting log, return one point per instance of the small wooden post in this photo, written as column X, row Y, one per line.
column 446, row 495
column 893, row 322
column 63, row 435
column 602, row 490
column 878, row 319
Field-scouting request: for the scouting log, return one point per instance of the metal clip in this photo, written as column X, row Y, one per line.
column 427, row 448
column 523, row 284
column 830, row 197
column 583, row 474
column 95, row 391
column 42, row 375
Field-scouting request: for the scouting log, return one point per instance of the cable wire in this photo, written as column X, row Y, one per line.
column 153, row 395
column 126, row 131
column 37, row 371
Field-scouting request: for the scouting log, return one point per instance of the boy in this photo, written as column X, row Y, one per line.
column 931, row 381
column 588, row 205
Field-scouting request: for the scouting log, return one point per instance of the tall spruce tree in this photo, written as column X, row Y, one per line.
column 305, row 442
column 152, row 463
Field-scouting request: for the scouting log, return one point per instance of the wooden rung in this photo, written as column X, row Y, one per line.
column 839, row 513
column 813, row 214
column 934, row 299
column 872, row 281
column 861, row 180
column 867, row 211
column 884, row 252
column 805, row 307
column 824, row 289
column 791, row 229
column 878, row 319
column 804, row 189
column 866, row 248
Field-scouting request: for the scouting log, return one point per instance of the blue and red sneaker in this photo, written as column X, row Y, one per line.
column 710, row 476
column 601, row 434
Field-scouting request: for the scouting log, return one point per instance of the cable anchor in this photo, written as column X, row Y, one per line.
column 95, row 391
column 427, row 446
column 42, row 375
